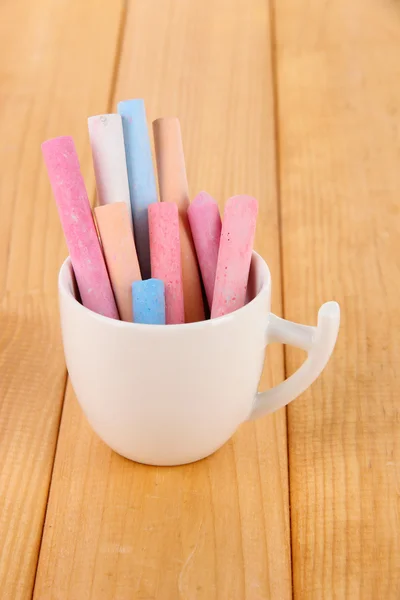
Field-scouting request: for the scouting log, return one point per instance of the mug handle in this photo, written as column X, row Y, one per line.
column 317, row 341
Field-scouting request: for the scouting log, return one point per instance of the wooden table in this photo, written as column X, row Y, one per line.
column 298, row 103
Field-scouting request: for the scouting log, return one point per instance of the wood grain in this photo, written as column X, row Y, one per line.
column 218, row 528
column 339, row 96
column 47, row 50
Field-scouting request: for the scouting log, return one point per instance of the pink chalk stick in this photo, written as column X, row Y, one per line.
column 234, row 257
column 205, row 223
column 165, row 257
column 77, row 222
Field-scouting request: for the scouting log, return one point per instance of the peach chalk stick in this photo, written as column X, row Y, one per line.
column 205, row 223
column 119, row 249
column 174, row 188
column 108, row 151
column 165, row 256
column 234, row 256
column 77, row 222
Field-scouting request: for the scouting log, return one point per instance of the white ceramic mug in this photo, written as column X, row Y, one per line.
column 169, row 395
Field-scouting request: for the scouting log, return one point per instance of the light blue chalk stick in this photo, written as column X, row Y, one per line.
column 148, row 298
column 142, row 182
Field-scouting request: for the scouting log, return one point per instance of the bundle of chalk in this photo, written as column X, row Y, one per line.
column 147, row 260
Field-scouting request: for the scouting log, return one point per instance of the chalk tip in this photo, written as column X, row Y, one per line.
column 152, row 283
column 242, row 198
column 202, row 198
column 166, row 121
column 112, row 207
column 104, row 119
column 126, row 108
column 166, row 208
column 56, row 141
column 249, row 202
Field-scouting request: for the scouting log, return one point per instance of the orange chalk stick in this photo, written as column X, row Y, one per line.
column 114, row 223
column 174, row 188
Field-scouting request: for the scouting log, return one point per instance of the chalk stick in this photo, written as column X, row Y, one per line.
column 108, row 151
column 148, row 298
column 77, row 222
column 174, row 188
column 165, row 255
column 234, row 256
column 205, row 224
column 142, row 182
column 120, row 253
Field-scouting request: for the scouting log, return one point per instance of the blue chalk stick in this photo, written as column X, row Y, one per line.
column 148, row 298
column 142, row 181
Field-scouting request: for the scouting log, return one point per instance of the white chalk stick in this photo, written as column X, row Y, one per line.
column 109, row 161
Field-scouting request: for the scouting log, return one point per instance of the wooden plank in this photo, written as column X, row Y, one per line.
column 339, row 98
column 49, row 82
column 218, row 528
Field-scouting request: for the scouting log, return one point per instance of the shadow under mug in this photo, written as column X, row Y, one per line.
column 174, row 394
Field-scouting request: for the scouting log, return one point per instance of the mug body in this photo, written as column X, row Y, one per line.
column 166, row 394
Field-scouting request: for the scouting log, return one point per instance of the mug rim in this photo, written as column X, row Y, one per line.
column 66, row 271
